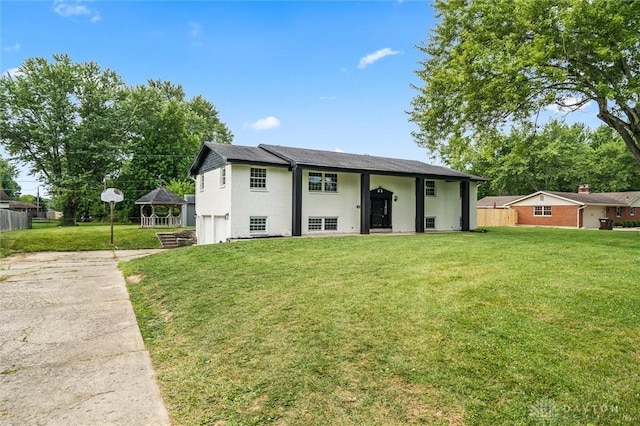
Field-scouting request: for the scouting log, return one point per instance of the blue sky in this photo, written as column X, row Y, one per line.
column 332, row 75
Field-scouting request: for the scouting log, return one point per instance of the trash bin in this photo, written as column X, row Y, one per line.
column 606, row 223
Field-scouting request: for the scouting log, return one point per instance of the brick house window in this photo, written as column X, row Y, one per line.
column 542, row 210
column 618, row 211
column 632, row 211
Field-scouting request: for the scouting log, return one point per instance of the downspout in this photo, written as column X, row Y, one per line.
column 580, row 209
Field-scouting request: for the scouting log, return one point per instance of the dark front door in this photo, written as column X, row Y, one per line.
column 380, row 217
column 380, row 208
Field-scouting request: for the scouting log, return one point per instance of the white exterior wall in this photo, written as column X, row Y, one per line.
column 213, row 202
column 403, row 211
column 446, row 206
column 591, row 216
column 342, row 204
column 274, row 202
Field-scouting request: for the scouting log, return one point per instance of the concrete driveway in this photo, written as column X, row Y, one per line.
column 71, row 352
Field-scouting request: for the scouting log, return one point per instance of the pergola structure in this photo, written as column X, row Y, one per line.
column 160, row 197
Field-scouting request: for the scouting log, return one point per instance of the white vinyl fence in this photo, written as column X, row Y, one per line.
column 11, row 221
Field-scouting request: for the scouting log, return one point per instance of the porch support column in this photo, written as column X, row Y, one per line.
column 420, row 200
column 296, row 201
column 464, row 195
column 365, row 208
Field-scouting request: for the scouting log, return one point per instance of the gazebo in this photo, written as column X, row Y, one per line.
column 167, row 200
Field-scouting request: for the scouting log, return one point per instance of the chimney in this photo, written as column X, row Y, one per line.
column 584, row 189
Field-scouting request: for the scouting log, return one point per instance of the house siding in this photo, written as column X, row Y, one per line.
column 561, row 215
column 446, row 206
column 403, row 208
column 342, row 204
column 274, row 202
column 625, row 214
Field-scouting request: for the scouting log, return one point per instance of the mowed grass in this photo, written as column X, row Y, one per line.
column 90, row 236
column 516, row 326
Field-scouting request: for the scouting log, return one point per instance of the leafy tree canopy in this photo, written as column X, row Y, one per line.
column 79, row 128
column 8, row 176
column 491, row 63
column 558, row 157
column 63, row 120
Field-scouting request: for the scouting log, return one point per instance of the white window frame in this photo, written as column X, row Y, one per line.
column 254, row 180
column 429, row 188
column 542, row 211
column 202, row 182
column 318, row 224
column 429, row 222
column 632, row 211
column 257, row 225
column 223, row 177
column 328, row 182
column 618, row 211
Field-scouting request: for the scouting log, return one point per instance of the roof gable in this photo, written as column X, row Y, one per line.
column 214, row 155
column 593, row 199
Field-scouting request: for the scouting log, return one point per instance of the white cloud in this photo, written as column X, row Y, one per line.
column 568, row 104
column 338, row 150
column 376, row 56
column 68, row 8
column 266, row 123
column 13, row 48
column 12, row 72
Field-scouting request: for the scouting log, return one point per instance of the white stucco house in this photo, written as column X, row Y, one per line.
column 268, row 190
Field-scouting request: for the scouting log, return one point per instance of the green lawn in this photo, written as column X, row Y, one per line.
column 517, row 326
column 46, row 236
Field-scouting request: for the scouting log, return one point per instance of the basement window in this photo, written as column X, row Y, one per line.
column 323, row 224
column 542, row 210
column 257, row 224
column 430, row 222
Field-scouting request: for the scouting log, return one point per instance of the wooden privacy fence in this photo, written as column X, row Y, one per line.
column 12, row 221
column 497, row 217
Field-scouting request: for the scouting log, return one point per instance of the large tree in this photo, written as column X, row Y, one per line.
column 63, row 120
column 493, row 63
column 8, row 176
column 167, row 132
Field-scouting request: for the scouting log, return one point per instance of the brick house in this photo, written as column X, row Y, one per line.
column 582, row 209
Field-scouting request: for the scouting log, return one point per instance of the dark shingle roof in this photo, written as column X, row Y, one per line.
column 498, row 200
column 160, row 196
column 244, row 153
column 599, row 198
column 359, row 162
column 214, row 155
column 593, row 198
